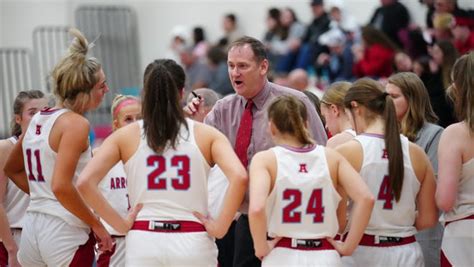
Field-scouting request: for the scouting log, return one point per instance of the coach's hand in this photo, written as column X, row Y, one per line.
column 192, row 107
column 104, row 240
column 213, row 228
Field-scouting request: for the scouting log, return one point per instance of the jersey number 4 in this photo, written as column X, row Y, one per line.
column 39, row 170
column 182, row 182
column 385, row 193
column 315, row 206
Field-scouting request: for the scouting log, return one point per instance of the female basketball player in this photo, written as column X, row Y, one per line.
column 337, row 121
column 54, row 149
column 397, row 172
column 455, row 193
column 13, row 201
column 417, row 118
column 125, row 110
column 167, row 158
column 297, row 183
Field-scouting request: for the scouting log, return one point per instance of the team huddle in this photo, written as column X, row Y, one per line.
column 141, row 198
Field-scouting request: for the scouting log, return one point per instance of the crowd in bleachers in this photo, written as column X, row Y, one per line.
column 333, row 47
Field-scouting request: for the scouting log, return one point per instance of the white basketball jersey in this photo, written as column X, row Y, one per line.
column 16, row 200
column 171, row 185
column 40, row 160
column 114, row 189
column 464, row 205
column 389, row 217
column 303, row 201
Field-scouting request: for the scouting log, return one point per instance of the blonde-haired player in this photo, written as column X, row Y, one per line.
column 296, row 182
column 125, row 110
column 47, row 161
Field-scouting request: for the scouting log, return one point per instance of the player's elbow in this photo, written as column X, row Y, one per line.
column 367, row 200
column 256, row 209
column 82, row 185
column 444, row 203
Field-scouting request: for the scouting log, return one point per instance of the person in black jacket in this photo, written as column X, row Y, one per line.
column 390, row 18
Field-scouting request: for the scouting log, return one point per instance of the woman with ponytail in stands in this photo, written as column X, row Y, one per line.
column 167, row 159
column 46, row 162
column 455, row 192
column 126, row 109
column 13, row 201
column 397, row 172
column 297, row 184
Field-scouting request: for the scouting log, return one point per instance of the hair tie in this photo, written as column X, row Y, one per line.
column 92, row 44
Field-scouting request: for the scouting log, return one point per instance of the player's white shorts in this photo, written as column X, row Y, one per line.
column 458, row 243
column 287, row 254
column 398, row 252
column 16, row 233
column 163, row 246
column 47, row 240
column 116, row 257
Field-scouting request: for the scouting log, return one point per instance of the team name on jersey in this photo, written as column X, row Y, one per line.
column 118, row 183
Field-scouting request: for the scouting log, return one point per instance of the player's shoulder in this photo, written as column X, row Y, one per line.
column 5, row 146
column 71, row 121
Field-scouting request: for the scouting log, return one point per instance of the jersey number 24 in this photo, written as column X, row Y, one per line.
column 314, row 206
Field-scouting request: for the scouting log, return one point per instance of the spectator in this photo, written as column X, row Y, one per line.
column 311, row 47
column 197, row 73
column 463, row 34
column 200, row 45
column 273, row 36
column 390, row 18
column 444, row 54
column 231, row 30
column 217, row 62
column 292, row 34
column 442, row 23
column 375, row 56
column 402, row 62
column 338, row 62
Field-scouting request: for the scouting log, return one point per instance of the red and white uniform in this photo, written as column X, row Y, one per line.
column 114, row 189
column 16, row 202
column 388, row 238
column 51, row 234
column 171, row 185
column 302, row 206
column 458, row 238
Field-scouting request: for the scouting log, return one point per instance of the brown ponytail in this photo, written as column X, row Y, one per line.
column 369, row 93
column 289, row 115
column 161, row 109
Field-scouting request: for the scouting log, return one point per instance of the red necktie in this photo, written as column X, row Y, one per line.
column 242, row 141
